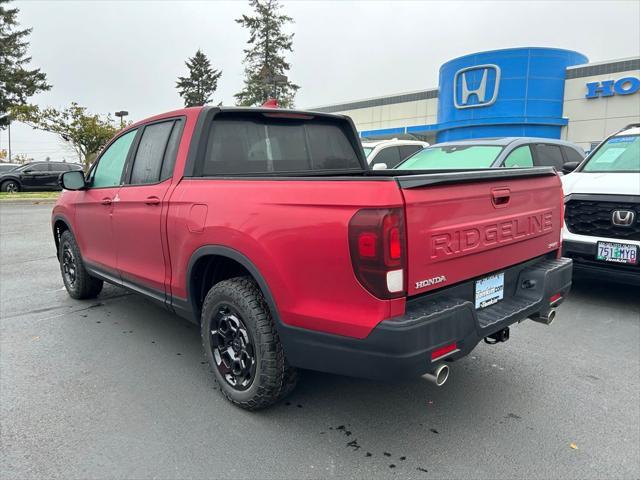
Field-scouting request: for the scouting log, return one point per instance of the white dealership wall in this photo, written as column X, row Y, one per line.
column 592, row 119
column 589, row 120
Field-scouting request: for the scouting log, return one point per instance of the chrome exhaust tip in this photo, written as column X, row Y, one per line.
column 546, row 319
column 439, row 375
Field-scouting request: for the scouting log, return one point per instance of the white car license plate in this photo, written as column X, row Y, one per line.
column 617, row 252
column 489, row 290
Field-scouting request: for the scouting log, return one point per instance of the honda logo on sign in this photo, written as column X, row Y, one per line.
column 623, row 218
column 476, row 86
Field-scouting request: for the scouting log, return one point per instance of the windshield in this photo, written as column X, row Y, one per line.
column 618, row 154
column 452, row 157
column 367, row 151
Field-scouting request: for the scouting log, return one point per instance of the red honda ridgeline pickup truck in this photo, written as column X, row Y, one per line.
column 267, row 228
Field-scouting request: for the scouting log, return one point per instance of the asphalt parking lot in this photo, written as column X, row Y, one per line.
column 117, row 388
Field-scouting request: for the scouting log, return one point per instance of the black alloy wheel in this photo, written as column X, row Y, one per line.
column 242, row 346
column 232, row 348
column 10, row 187
column 69, row 266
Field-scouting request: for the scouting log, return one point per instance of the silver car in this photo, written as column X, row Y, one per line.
column 509, row 152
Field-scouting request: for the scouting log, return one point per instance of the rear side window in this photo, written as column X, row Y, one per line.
column 572, row 155
column 390, row 156
column 150, row 153
column 519, row 158
column 259, row 145
column 59, row 167
column 108, row 172
column 549, row 156
column 408, row 150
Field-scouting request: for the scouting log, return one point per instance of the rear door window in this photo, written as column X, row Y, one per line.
column 548, row 155
column 519, row 158
column 256, row 144
column 59, row 167
column 390, row 156
column 150, row 153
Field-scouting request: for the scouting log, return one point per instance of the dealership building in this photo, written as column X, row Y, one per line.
column 536, row 92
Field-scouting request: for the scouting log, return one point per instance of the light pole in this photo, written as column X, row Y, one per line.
column 121, row 114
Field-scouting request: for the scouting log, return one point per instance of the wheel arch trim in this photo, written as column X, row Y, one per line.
column 242, row 259
column 11, row 179
column 59, row 218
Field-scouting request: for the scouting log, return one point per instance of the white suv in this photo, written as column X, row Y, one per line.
column 602, row 210
column 389, row 153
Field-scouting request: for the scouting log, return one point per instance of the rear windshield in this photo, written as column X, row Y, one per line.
column 619, row 154
column 240, row 144
column 452, row 157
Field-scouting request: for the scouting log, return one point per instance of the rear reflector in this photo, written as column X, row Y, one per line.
column 442, row 351
column 555, row 298
column 395, row 280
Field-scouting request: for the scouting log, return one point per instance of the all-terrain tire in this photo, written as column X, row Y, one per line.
column 267, row 376
column 79, row 284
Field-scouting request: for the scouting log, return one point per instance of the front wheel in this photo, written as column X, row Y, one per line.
column 10, row 186
column 242, row 346
column 79, row 284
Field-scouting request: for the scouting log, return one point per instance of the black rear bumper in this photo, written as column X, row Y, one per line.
column 586, row 266
column 401, row 347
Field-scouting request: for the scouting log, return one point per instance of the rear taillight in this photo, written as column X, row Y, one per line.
column 378, row 250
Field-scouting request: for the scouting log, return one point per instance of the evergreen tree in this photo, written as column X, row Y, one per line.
column 264, row 61
column 17, row 82
column 197, row 88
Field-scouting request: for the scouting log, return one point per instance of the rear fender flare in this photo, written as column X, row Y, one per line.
column 56, row 219
column 242, row 260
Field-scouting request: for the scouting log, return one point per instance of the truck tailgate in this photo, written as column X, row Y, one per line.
column 471, row 223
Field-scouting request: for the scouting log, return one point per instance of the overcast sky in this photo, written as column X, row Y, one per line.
column 112, row 55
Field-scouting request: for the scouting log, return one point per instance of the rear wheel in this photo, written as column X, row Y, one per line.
column 242, row 346
column 10, row 186
column 78, row 282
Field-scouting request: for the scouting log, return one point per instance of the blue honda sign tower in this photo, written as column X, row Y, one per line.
column 511, row 92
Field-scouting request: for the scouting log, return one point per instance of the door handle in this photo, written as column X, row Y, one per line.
column 500, row 197
column 153, row 200
column 106, row 201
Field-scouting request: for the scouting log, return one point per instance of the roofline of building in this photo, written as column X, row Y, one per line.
column 575, row 71
column 378, row 101
column 603, row 62
column 603, row 68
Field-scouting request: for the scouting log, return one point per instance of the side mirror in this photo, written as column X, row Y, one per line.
column 27, row 171
column 379, row 166
column 570, row 167
column 73, row 180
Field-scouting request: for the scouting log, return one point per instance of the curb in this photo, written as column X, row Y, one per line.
column 26, row 201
